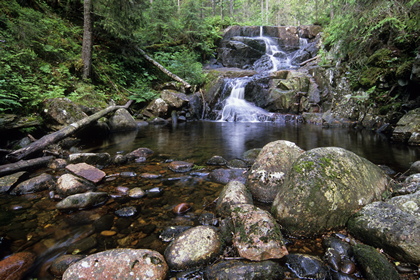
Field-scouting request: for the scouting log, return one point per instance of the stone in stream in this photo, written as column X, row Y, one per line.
column 127, row 264
column 324, row 187
column 270, row 168
column 69, row 184
column 217, row 160
column 86, row 171
column 224, row 176
column 60, row 264
column 136, row 193
column 90, row 158
column 15, row 266
column 193, row 248
column 169, row 233
column 36, row 184
column 180, row 166
column 122, row 120
column 393, row 225
column 233, row 193
column 6, row 182
column 256, row 236
column 225, row 270
column 128, row 211
column 82, row 201
column 307, row 267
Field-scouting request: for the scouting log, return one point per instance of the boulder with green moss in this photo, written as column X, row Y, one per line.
column 324, row 187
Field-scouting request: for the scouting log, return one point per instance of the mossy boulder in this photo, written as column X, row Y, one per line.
column 267, row 174
column 323, row 188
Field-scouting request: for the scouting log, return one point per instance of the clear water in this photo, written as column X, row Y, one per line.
column 198, row 141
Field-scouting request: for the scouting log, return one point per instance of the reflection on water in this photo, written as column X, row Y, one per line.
column 198, row 141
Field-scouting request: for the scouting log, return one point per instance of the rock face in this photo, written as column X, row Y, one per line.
column 324, row 187
column 127, row 264
column 269, row 170
column 393, row 225
column 193, row 247
column 408, row 128
column 256, row 236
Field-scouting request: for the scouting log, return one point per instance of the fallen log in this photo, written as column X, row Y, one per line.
column 61, row 134
column 163, row 69
column 309, row 60
column 21, row 165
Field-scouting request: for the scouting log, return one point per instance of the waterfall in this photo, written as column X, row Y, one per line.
column 236, row 108
column 279, row 59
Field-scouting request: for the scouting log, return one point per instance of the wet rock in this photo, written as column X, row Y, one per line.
column 57, row 163
column 227, row 270
column 232, row 194
column 374, row 265
column 128, row 211
column 139, row 154
column 36, row 184
column 69, row 184
column 208, row 219
column 154, row 192
column 193, row 248
column 307, row 267
column 224, row 176
column 82, row 201
column 181, row 208
column 268, row 172
column 129, row 264
column 150, row 176
column 83, row 245
column 237, row 163
column 15, row 266
column 410, row 185
column 6, row 182
column 103, row 223
column 180, row 166
column 60, row 264
column 122, row 120
column 136, row 193
column 393, row 225
column 343, row 248
column 406, row 126
column 414, row 167
column 169, row 233
column 324, row 187
column 250, row 156
column 87, row 171
column 257, row 236
column 217, row 160
column 90, row 158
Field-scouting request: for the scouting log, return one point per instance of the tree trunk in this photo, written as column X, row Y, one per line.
column 24, row 165
column 164, row 70
column 87, row 39
column 61, row 134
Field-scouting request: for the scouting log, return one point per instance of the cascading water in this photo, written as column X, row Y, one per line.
column 235, row 107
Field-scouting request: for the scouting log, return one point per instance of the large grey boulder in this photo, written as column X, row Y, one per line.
column 129, row 264
column 174, row 98
column 393, row 225
column 122, row 120
column 257, row 236
column 69, row 184
column 324, row 187
column 408, row 127
column 193, row 248
column 60, row 112
column 270, row 168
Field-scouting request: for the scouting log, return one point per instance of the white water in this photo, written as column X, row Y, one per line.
column 279, row 59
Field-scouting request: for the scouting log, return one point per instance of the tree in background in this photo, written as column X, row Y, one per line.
column 87, row 39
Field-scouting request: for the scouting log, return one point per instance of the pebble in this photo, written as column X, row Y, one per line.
column 136, row 193
column 108, row 233
column 128, row 211
column 181, row 208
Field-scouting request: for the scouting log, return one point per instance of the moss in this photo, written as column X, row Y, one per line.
column 370, row 76
column 380, row 58
column 404, row 70
column 303, row 166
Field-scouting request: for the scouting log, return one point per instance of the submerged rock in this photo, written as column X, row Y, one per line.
column 169, row 233
column 16, row 265
column 224, row 176
column 82, row 201
column 324, row 187
column 193, row 248
column 268, row 172
column 307, row 267
column 393, row 225
column 129, row 264
column 227, row 270
column 180, row 166
column 6, row 182
column 60, row 264
column 256, row 234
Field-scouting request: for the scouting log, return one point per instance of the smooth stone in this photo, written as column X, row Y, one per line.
column 217, row 160
column 60, row 264
column 83, row 245
column 307, row 267
column 15, row 266
column 82, row 201
column 154, row 192
column 128, row 174
column 69, row 184
column 233, row 193
column 6, row 182
column 108, row 233
column 150, row 176
column 169, row 233
column 136, row 193
column 87, row 171
column 127, row 264
column 140, row 153
column 128, row 211
column 227, row 270
column 193, row 248
column 90, row 158
column 180, row 166
column 181, row 208
column 36, row 184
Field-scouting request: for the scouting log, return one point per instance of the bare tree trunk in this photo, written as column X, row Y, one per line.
column 87, row 39
column 61, row 134
column 164, row 70
column 24, row 165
